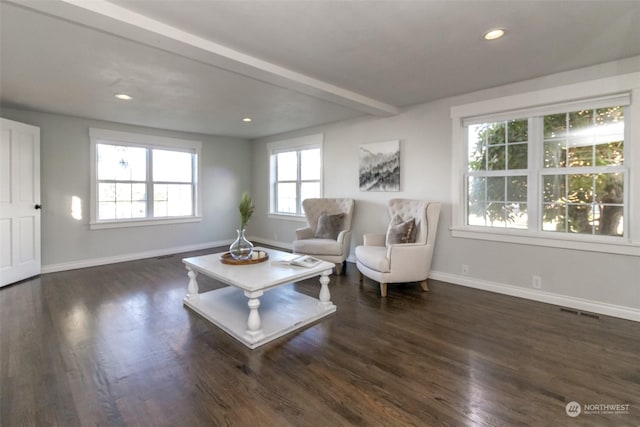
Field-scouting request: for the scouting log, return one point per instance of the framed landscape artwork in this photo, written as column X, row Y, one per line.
column 380, row 166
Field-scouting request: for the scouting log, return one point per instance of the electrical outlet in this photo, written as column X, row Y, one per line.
column 465, row 269
column 536, row 282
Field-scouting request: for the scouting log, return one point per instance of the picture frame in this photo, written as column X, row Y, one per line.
column 380, row 166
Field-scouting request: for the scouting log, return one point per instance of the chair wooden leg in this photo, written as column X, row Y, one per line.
column 344, row 267
column 338, row 269
column 383, row 289
column 424, row 285
column 361, row 277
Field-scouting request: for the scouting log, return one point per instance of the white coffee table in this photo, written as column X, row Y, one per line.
column 260, row 304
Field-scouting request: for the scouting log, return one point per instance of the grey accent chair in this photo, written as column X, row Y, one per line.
column 401, row 262
column 327, row 248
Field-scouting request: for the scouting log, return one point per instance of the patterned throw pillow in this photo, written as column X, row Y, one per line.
column 329, row 226
column 401, row 231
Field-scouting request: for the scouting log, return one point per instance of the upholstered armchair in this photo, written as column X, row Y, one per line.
column 328, row 234
column 404, row 253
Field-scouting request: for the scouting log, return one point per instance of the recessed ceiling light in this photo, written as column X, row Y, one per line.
column 123, row 96
column 247, row 120
column 494, row 34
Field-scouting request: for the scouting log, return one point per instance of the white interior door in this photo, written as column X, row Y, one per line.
column 19, row 201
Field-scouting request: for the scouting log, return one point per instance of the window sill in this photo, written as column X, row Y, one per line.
column 143, row 222
column 610, row 245
column 287, row 217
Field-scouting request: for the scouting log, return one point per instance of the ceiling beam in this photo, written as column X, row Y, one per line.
column 119, row 21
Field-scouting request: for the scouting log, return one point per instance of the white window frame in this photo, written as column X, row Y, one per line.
column 105, row 136
column 294, row 144
column 549, row 101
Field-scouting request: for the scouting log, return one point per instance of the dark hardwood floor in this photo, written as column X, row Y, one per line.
column 113, row 345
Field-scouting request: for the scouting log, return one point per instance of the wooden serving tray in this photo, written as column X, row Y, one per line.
column 226, row 258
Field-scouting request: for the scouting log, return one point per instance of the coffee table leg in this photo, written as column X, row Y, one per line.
column 192, row 289
column 325, row 295
column 253, row 323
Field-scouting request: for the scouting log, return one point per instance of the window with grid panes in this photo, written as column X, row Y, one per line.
column 567, row 167
column 296, row 172
column 141, row 178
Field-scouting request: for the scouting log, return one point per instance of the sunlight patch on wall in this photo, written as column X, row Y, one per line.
column 76, row 208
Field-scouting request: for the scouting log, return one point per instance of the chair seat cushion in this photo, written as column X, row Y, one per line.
column 317, row 247
column 374, row 257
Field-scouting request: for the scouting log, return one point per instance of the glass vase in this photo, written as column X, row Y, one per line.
column 241, row 248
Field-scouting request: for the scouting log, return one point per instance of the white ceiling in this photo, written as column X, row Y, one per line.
column 201, row 66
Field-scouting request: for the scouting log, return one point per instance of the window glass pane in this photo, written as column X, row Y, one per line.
column 477, row 189
column 172, row 200
column 106, row 192
column 517, row 188
column 139, row 192
column 309, row 190
column 172, row 166
column 495, row 188
column 488, row 206
column 610, row 198
column 160, row 208
column 555, row 126
column 516, row 215
column 517, row 131
column 179, row 200
column 580, row 119
column 496, row 133
column 125, row 171
column 477, row 213
column 286, row 200
column 496, row 214
column 576, row 202
column 554, row 189
column 123, row 210
column 477, row 148
column 496, row 157
column 107, row 162
column 517, row 156
column 591, row 138
column 121, row 163
column 579, row 156
column 310, row 164
column 106, row 210
column 610, row 221
column 610, row 115
column 554, row 217
column 610, row 188
column 160, row 192
column 580, row 219
column 611, row 153
column 123, row 192
column 580, row 188
column 582, row 215
column 138, row 209
column 287, row 166
column 555, row 154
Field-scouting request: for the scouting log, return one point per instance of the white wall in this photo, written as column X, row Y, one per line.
column 589, row 281
column 68, row 243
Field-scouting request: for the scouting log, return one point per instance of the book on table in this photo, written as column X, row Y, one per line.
column 301, row 261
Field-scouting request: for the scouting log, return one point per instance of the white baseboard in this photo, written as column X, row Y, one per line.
column 270, row 242
column 52, row 268
column 619, row 311
column 622, row 312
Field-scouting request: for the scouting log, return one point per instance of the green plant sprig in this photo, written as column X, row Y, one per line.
column 246, row 209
